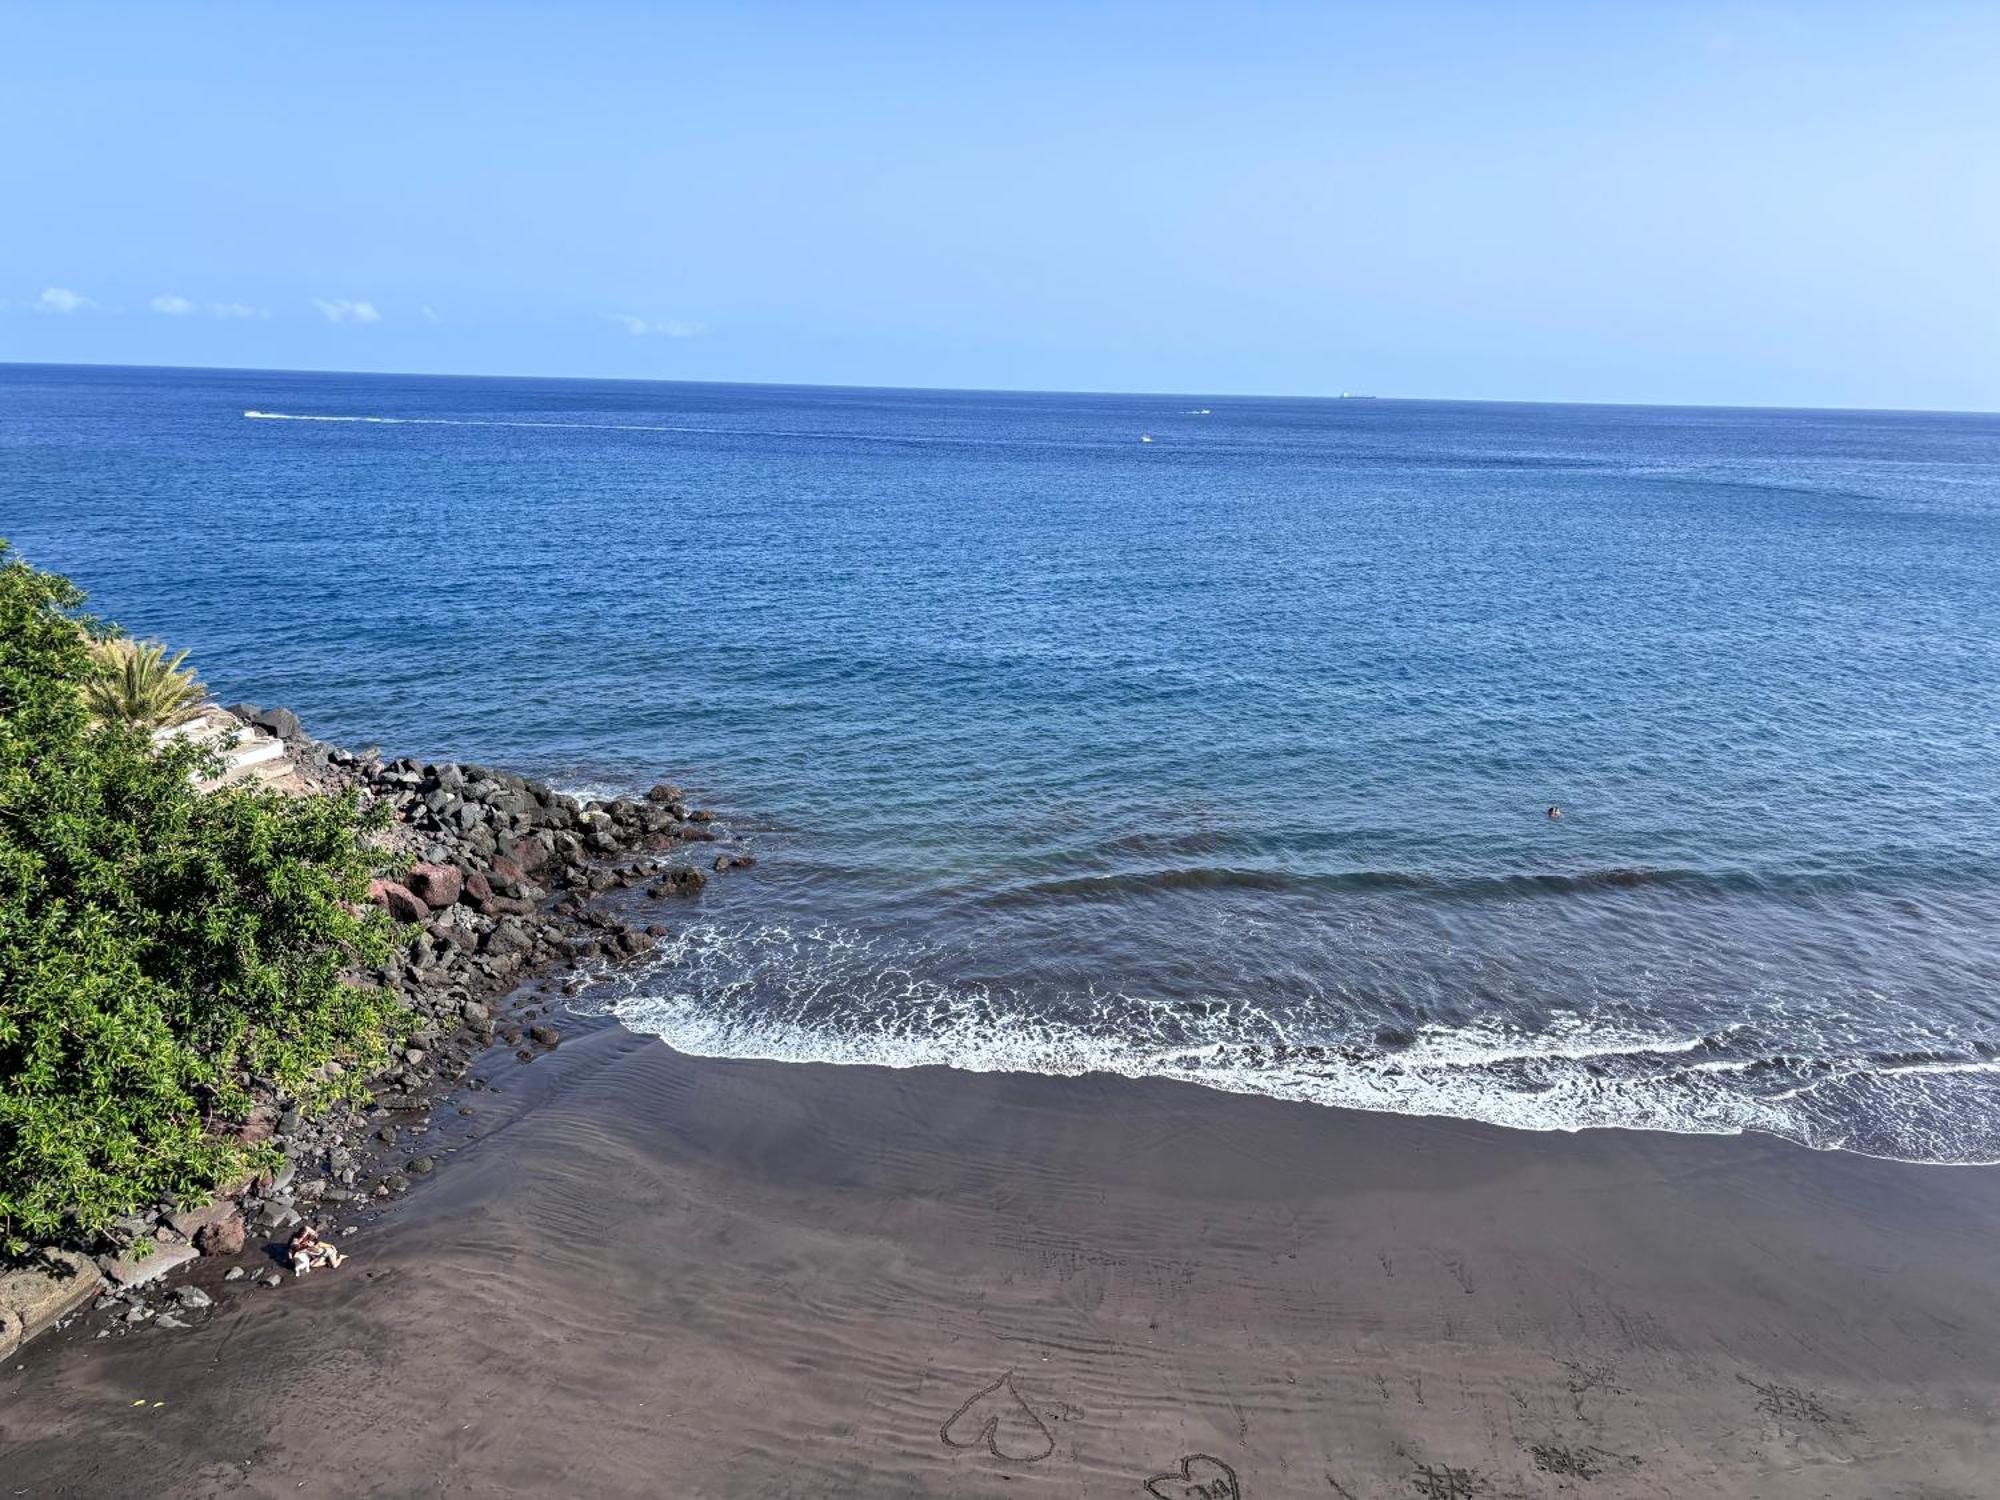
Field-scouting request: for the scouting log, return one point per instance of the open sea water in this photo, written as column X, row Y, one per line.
column 1223, row 756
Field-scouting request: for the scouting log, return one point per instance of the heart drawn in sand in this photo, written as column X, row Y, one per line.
column 1199, row 1478
column 997, row 1419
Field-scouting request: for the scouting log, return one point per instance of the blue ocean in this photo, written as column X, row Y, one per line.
column 1208, row 738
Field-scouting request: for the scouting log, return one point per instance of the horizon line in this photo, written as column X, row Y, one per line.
column 955, row 390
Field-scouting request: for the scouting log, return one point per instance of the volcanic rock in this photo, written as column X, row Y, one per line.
column 437, row 886
column 398, row 900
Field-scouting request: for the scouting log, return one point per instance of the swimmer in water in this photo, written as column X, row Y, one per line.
column 1555, row 813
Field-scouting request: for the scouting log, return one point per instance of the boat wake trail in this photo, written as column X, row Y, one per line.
column 286, row 416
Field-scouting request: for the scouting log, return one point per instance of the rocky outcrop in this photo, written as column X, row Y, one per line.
column 494, row 877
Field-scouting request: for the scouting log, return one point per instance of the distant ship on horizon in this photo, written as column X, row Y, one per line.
column 1355, row 396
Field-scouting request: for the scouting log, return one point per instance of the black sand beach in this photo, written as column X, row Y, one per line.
column 643, row 1274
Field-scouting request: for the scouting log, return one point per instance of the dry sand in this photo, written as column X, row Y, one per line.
column 650, row 1275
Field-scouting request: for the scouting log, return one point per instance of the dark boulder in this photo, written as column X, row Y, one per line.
column 631, row 943
column 280, row 721
column 679, row 882
column 508, row 937
column 460, row 938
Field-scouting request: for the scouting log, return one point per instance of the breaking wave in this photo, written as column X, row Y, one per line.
column 821, row 993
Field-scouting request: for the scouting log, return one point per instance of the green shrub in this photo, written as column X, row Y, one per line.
column 159, row 947
column 136, row 682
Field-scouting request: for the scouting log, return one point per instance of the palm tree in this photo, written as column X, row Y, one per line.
column 136, row 683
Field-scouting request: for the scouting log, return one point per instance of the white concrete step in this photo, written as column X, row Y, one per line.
column 248, row 753
column 253, row 752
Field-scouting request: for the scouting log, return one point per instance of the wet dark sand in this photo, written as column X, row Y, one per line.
column 657, row 1276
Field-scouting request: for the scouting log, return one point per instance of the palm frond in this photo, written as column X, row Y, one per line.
column 137, row 683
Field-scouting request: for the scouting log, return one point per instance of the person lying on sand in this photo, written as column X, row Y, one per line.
column 307, row 1250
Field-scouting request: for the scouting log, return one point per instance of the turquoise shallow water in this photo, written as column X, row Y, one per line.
column 1221, row 755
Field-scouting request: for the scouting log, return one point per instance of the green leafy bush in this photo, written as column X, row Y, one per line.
column 160, row 947
column 137, row 683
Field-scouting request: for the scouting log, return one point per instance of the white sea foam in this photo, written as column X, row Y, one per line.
column 823, row 994
column 588, row 788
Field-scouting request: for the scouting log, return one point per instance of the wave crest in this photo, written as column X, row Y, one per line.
column 833, row 995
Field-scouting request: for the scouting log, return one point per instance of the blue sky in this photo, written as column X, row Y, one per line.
column 1763, row 204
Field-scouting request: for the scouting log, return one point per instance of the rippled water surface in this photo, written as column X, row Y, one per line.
column 1223, row 755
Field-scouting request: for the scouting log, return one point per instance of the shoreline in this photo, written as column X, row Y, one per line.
column 619, row 1269
column 650, row 1273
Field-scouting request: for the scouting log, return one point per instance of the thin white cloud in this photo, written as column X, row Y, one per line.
column 60, row 299
column 341, row 310
column 430, row 314
column 181, row 307
column 670, row 328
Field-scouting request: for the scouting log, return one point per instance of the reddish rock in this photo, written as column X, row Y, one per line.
column 505, row 869
column 398, row 900
column 436, row 886
column 478, row 890
column 530, row 854
column 224, row 1237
